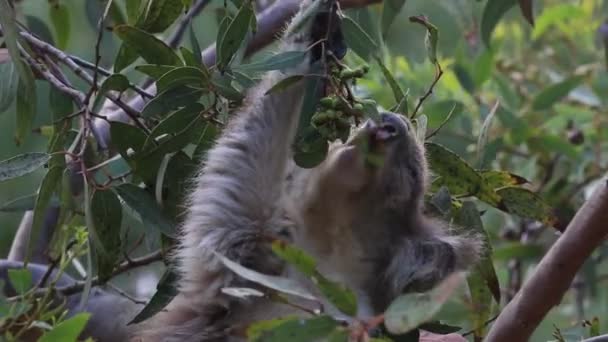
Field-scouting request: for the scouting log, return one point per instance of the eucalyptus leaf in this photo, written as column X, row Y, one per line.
column 143, row 203
column 60, row 17
column 358, row 40
column 166, row 290
column 150, row 48
column 9, row 79
column 68, row 330
column 492, row 13
column 22, row 164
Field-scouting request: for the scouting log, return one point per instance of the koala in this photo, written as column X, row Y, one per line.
column 365, row 222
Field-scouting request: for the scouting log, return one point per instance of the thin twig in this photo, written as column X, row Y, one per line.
column 78, row 71
column 47, row 75
column 429, row 91
column 123, row 267
column 184, row 22
column 127, row 295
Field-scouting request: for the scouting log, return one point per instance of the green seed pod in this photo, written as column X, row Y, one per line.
column 328, row 102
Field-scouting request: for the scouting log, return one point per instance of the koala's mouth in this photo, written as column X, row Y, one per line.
column 374, row 136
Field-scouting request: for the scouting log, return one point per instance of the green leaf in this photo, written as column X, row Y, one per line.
column 292, row 329
column 48, row 186
column 21, row 204
column 166, row 290
column 170, row 100
column 284, row 84
column 458, row 175
column 181, row 76
column 524, row 203
column 455, row 173
column 115, row 82
column 408, row 311
column 150, row 48
column 235, row 34
column 155, row 71
column 310, row 149
column 280, row 61
column 125, row 136
column 125, row 57
column 555, row 16
column 134, row 8
column 492, row 13
column 9, row 80
column 144, row 204
column 60, row 17
column 498, row 179
column 550, row 95
column 337, row 294
column 432, row 36
column 481, row 303
column 26, row 108
column 223, row 86
column 61, row 106
column 464, row 78
column 390, row 10
column 516, row 250
column 358, row 40
column 281, row 284
column 175, row 122
column 40, row 28
column 107, row 215
column 22, row 164
column 21, row 279
column 196, row 49
column 159, row 15
column 68, row 330
column 398, row 93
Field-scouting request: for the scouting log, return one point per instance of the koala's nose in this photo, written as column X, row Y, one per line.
column 392, row 124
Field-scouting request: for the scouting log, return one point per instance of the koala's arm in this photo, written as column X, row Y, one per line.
column 417, row 263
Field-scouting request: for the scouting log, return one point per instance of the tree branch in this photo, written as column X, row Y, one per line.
column 555, row 272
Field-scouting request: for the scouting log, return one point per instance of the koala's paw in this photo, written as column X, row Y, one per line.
column 327, row 25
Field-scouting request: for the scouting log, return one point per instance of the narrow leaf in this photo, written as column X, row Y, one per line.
column 22, row 164
column 390, row 10
column 9, row 80
column 144, row 204
column 235, row 34
column 166, row 290
column 159, row 15
column 550, row 95
column 492, row 13
column 68, row 330
column 115, row 82
column 398, row 93
column 525, row 203
column 280, row 61
column 106, row 212
column 284, row 84
column 292, row 329
column 60, row 17
column 285, row 285
column 358, row 40
column 410, row 310
column 150, row 48
column 20, row 279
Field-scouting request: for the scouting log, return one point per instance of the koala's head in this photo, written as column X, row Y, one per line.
column 383, row 158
